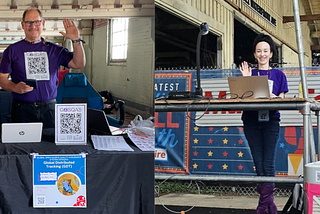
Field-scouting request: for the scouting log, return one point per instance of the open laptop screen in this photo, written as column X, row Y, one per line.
column 250, row 87
column 98, row 122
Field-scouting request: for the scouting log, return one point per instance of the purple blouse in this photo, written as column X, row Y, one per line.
column 279, row 85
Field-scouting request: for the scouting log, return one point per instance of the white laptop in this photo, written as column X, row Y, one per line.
column 21, row 132
column 249, row 87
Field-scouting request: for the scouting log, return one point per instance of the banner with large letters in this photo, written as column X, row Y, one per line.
column 172, row 128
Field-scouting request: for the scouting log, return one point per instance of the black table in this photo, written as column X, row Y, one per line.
column 117, row 182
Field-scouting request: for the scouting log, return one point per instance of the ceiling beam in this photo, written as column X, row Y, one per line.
column 97, row 13
column 286, row 19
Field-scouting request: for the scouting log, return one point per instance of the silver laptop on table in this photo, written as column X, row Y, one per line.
column 249, row 87
column 21, row 132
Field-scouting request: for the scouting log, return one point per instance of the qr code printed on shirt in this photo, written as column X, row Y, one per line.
column 37, row 65
column 70, row 123
column 41, row 200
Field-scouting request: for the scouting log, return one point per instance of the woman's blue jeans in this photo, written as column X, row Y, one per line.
column 262, row 138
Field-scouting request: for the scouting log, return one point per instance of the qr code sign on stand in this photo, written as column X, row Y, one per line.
column 41, row 200
column 70, row 123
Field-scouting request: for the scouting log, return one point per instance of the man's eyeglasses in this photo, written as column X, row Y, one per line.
column 36, row 23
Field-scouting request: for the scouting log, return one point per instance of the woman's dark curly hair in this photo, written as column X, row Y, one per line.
column 266, row 38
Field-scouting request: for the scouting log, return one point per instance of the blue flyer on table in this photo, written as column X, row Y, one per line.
column 59, row 181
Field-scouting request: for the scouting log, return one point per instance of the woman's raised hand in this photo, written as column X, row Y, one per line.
column 245, row 69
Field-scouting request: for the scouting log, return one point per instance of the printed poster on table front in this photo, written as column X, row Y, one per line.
column 59, row 181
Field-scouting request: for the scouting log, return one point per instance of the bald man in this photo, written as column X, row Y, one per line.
column 34, row 58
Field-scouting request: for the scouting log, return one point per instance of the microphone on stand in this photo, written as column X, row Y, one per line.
column 204, row 30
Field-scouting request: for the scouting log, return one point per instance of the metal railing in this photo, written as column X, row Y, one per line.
column 305, row 105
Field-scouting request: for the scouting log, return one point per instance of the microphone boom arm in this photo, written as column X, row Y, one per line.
column 204, row 30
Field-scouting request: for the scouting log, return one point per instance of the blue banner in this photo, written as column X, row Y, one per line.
column 172, row 128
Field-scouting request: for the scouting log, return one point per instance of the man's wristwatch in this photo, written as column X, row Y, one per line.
column 78, row 40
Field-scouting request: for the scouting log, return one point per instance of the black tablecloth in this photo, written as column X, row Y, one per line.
column 5, row 105
column 117, row 182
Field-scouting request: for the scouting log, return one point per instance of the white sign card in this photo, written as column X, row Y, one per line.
column 59, row 181
column 71, row 124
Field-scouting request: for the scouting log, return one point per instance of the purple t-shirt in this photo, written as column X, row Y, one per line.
column 39, row 61
column 279, row 85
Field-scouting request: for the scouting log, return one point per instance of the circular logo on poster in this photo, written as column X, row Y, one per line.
column 68, row 184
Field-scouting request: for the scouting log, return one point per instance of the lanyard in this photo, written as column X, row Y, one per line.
column 258, row 72
column 42, row 39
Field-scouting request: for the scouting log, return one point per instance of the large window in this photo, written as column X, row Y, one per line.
column 119, row 40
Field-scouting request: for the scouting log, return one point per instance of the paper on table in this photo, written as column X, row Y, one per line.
column 110, row 143
column 145, row 143
column 117, row 131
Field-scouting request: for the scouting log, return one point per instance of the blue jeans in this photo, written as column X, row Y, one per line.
column 262, row 138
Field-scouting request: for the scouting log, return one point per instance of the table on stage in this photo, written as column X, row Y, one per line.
column 117, row 182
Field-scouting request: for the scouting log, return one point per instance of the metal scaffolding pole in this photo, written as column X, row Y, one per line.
column 216, row 105
column 310, row 140
column 257, row 179
column 300, row 48
column 303, row 78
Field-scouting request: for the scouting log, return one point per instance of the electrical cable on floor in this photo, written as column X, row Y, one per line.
column 157, row 190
